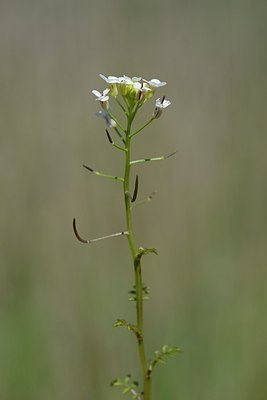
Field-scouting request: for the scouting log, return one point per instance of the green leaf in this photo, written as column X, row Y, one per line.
column 142, row 251
column 130, row 327
column 127, row 378
column 128, row 387
column 160, row 355
column 116, row 382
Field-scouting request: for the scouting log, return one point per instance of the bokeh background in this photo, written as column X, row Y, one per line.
column 208, row 220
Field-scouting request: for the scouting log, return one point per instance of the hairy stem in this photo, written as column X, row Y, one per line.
column 136, row 260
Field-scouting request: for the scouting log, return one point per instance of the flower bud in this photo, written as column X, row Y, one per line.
column 113, row 90
column 159, row 107
column 123, row 89
column 148, row 91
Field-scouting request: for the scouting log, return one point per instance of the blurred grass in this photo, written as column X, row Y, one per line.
column 58, row 300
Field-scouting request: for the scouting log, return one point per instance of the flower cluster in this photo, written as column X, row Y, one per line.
column 134, row 91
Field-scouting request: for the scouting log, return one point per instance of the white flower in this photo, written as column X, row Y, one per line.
column 145, row 92
column 125, row 80
column 135, row 89
column 110, row 79
column 159, row 107
column 162, row 103
column 122, row 79
column 102, row 97
column 155, row 83
column 110, row 122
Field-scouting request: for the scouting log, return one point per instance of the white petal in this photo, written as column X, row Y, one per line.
column 137, row 85
column 106, row 92
column 155, row 82
column 113, row 79
column 103, row 77
column 109, row 79
column 103, row 98
column 135, row 79
column 96, row 93
column 158, row 102
column 166, row 103
column 126, row 80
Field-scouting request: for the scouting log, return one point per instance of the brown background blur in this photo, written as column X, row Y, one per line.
column 58, row 299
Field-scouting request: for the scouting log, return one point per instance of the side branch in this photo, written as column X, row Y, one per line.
column 88, row 241
column 153, row 159
column 130, row 327
column 116, row 178
column 112, row 142
column 142, row 127
column 121, row 106
column 119, row 134
column 117, row 122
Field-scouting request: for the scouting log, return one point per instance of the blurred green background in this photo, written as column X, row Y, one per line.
column 58, row 299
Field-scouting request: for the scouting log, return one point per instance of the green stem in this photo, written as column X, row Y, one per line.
column 142, row 127
column 136, row 260
column 115, row 119
column 121, row 106
column 119, row 134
